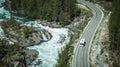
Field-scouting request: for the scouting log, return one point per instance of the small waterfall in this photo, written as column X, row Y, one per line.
column 43, row 35
column 1, row 31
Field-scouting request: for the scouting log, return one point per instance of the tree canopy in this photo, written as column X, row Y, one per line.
column 114, row 28
column 50, row 10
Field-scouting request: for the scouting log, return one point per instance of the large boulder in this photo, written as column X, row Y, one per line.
column 36, row 38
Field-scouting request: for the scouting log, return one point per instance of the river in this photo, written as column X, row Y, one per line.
column 48, row 51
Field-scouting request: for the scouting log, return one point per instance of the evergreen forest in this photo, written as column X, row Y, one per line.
column 63, row 11
column 114, row 29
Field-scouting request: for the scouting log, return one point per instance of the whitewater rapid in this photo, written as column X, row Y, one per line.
column 48, row 51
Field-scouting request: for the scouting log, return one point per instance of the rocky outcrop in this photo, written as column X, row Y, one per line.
column 30, row 56
column 24, row 58
column 27, row 36
column 15, row 55
column 51, row 24
column 36, row 38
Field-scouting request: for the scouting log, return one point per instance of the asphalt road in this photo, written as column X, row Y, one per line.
column 81, row 54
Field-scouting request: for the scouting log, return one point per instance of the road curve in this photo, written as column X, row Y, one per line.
column 81, row 54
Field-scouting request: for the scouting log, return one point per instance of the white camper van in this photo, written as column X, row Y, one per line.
column 82, row 42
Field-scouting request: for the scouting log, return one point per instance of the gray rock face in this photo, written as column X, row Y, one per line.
column 36, row 38
column 30, row 56
column 23, row 58
column 28, row 37
column 16, row 56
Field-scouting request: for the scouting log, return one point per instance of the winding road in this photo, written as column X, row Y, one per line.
column 81, row 54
